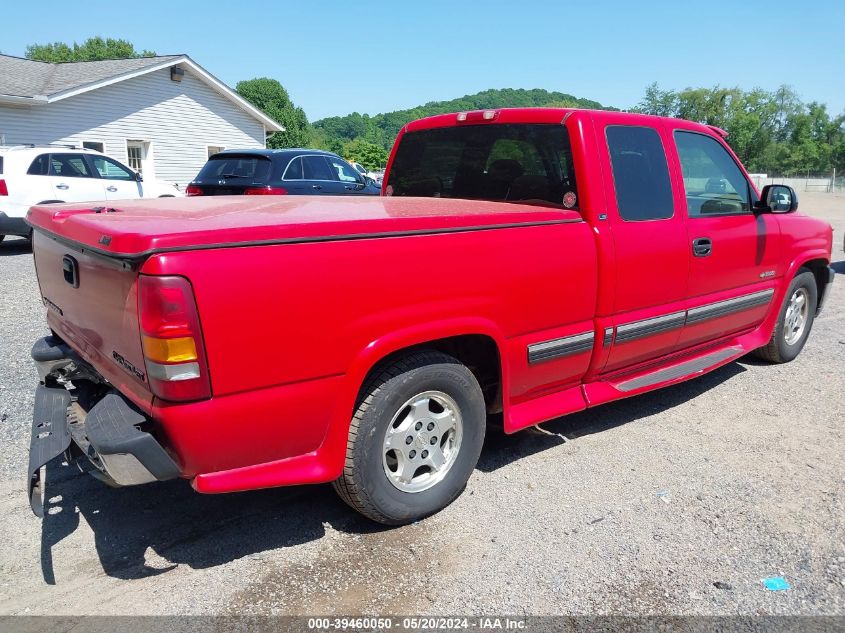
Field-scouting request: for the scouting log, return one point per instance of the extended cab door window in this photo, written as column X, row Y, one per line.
column 640, row 173
column 714, row 183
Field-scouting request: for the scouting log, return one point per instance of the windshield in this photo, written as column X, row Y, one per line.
column 505, row 162
column 236, row 167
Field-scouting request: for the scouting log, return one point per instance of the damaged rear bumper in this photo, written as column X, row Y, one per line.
column 108, row 433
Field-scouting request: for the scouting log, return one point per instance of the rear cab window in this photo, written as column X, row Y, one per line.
column 499, row 162
column 249, row 167
column 640, row 173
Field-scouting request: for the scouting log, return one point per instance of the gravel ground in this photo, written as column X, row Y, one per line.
column 676, row 502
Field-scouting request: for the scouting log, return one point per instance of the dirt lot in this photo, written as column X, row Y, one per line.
column 748, row 462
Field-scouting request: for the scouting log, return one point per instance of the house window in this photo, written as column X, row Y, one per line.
column 135, row 155
column 213, row 149
column 95, row 145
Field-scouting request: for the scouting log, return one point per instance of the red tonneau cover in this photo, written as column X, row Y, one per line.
column 136, row 228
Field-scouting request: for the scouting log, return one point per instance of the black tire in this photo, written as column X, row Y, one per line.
column 778, row 350
column 364, row 484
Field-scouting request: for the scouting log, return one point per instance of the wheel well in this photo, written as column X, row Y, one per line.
column 819, row 269
column 477, row 351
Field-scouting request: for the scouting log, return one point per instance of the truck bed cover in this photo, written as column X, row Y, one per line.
column 134, row 229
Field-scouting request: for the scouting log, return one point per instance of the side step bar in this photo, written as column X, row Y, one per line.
column 681, row 370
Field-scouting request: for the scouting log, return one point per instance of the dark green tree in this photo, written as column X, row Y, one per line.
column 658, row 102
column 92, row 49
column 369, row 155
column 272, row 99
column 771, row 131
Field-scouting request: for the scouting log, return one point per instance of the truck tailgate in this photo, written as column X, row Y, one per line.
column 91, row 303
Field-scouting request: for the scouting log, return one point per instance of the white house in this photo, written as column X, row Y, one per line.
column 162, row 116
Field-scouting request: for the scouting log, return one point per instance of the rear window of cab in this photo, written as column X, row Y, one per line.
column 499, row 162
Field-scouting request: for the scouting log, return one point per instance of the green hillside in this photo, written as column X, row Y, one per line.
column 380, row 130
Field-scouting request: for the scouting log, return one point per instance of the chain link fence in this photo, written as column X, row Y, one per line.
column 824, row 183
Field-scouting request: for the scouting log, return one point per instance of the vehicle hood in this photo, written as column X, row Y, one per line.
column 138, row 228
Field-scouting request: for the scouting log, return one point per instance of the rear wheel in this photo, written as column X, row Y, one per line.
column 414, row 440
column 794, row 322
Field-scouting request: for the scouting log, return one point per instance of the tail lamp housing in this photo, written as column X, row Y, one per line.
column 193, row 190
column 4, row 190
column 171, row 338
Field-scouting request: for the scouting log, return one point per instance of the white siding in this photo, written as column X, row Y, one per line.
column 179, row 119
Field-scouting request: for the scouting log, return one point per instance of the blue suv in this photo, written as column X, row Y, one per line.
column 279, row 172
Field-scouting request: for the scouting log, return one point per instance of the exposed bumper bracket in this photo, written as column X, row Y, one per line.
column 130, row 456
column 50, row 438
column 110, row 435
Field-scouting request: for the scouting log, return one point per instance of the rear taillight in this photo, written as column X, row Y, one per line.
column 265, row 191
column 172, row 339
column 4, row 191
column 193, row 190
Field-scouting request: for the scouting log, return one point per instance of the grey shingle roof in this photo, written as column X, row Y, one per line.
column 27, row 78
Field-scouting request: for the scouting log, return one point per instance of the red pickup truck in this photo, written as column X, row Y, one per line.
column 523, row 263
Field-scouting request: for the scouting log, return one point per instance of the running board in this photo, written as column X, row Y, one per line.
column 687, row 369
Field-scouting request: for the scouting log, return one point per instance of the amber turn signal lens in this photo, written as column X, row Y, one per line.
column 169, row 350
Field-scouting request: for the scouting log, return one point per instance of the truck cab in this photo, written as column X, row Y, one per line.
column 687, row 253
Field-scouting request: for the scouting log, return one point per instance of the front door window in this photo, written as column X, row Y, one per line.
column 714, row 183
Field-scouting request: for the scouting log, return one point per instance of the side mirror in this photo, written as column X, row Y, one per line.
column 778, row 199
column 139, row 177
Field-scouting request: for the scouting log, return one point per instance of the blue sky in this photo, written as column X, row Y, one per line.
column 371, row 56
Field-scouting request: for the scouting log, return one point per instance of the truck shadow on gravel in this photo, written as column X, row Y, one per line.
column 501, row 450
column 150, row 530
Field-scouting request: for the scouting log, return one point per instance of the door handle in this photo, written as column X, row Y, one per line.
column 316, row 187
column 62, row 186
column 702, row 246
column 111, row 188
column 350, row 187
